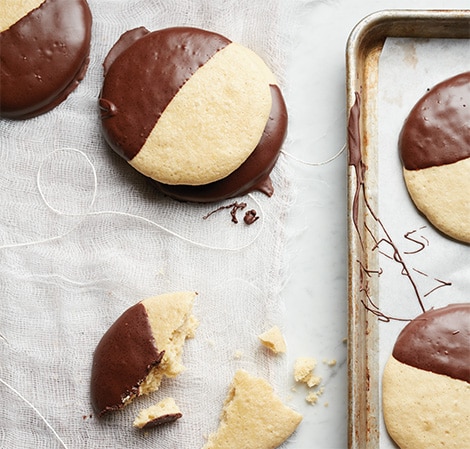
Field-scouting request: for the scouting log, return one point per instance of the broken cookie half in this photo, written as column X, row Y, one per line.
column 165, row 411
column 253, row 417
column 141, row 347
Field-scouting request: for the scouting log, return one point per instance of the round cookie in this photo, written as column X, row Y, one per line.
column 44, row 53
column 198, row 114
column 434, row 147
column 141, row 347
column 426, row 381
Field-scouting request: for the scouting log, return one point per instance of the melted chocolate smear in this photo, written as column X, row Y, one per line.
column 356, row 161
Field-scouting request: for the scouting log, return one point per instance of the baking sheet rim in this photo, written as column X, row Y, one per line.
column 365, row 43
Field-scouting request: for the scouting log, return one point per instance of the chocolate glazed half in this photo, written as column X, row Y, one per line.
column 122, row 360
column 438, row 341
column 43, row 57
column 437, row 130
column 143, row 72
column 253, row 174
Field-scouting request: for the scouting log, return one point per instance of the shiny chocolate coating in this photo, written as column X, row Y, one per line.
column 122, row 360
column 143, row 72
column 253, row 174
column 438, row 341
column 437, row 130
column 159, row 63
column 43, row 57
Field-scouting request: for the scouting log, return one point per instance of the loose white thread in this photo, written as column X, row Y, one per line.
column 123, row 214
column 95, row 180
column 316, row 164
column 35, row 410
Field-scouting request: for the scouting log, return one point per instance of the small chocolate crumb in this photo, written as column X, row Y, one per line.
column 235, row 208
column 250, row 217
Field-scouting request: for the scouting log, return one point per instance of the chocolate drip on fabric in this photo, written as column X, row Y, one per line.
column 438, row 341
column 126, row 352
column 43, row 57
column 139, row 97
column 437, row 130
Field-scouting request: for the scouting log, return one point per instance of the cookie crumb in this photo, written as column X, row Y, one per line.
column 303, row 371
column 330, row 363
column 312, row 397
column 273, row 340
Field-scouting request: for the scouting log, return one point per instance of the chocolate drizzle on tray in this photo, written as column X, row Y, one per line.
column 380, row 244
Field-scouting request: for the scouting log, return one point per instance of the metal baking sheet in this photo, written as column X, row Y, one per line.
column 363, row 51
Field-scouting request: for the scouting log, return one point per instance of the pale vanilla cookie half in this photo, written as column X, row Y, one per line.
column 188, row 107
column 13, row 10
column 141, row 348
column 253, row 417
column 435, row 151
column 45, row 48
column 426, row 381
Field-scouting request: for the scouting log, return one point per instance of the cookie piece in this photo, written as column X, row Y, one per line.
column 434, row 147
column 304, row 371
column 166, row 411
column 44, row 53
column 426, row 381
column 273, row 340
column 188, row 108
column 143, row 346
column 253, row 417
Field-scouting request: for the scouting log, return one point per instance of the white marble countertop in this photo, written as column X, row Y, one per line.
column 316, row 294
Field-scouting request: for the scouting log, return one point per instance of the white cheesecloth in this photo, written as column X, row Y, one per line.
column 83, row 237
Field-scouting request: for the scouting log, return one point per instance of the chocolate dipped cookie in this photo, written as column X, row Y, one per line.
column 198, row 114
column 426, row 381
column 44, row 53
column 142, row 347
column 434, row 147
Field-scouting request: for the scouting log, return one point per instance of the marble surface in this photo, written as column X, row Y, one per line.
column 316, row 292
